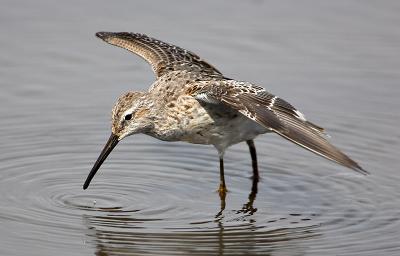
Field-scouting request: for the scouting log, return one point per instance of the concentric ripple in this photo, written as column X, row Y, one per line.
column 151, row 196
column 338, row 62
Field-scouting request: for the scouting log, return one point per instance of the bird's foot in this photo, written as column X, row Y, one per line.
column 222, row 190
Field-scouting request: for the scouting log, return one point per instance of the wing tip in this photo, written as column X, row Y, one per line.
column 350, row 163
column 103, row 35
column 359, row 169
column 128, row 35
column 324, row 149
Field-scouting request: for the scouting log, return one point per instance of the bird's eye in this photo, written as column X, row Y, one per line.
column 128, row 117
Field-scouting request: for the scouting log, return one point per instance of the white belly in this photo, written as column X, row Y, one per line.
column 225, row 132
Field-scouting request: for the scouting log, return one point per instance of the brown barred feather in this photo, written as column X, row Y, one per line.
column 162, row 57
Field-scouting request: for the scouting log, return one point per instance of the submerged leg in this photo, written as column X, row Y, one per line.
column 253, row 154
column 222, row 187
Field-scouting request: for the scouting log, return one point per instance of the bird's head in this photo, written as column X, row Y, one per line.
column 131, row 114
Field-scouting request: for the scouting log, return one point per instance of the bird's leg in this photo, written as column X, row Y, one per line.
column 222, row 187
column 248, row 207
column 222, row 196
column 252, row 196
column 253, row 154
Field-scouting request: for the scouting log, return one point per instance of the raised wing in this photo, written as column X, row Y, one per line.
column 273, row 113
column 162, row 57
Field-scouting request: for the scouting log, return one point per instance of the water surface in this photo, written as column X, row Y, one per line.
column 339, row 62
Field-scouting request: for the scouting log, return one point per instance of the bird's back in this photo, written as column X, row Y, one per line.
column 184, row 118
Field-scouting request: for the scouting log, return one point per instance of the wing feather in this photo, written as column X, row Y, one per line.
column 276, row 115
column 162, row 57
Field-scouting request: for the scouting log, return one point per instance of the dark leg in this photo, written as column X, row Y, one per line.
column 248, row 207
column 222, row 187
column 253, row 154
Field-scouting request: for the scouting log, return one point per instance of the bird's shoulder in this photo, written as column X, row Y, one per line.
column 180, row 82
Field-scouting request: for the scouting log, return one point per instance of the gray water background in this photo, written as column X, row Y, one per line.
column 337, row 61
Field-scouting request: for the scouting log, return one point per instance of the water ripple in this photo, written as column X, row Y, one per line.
column 166, row 202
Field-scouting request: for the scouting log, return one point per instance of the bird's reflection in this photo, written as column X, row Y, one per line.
column 121, row 234
column 247, row 207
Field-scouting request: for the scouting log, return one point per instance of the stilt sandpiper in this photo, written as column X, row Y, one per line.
column 192, row 101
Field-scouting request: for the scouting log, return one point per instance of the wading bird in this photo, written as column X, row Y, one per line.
column 192, row 101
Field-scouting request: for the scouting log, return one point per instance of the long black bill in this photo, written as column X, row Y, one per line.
column 111, row 143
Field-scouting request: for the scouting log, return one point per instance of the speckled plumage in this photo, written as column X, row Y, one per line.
column 192, row 101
